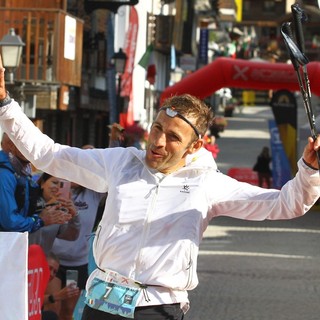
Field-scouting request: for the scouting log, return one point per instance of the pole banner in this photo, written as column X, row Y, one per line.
column 284, row 108
column 126, row 118
column 130, row 50
column 281, row 170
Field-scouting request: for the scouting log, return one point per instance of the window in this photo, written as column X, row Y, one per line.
column 269, row 6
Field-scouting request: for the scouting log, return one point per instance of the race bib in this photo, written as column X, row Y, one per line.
column 116, row 295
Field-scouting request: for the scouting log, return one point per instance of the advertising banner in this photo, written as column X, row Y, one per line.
column 239, row 73
column 38, row 277
column 203, row 46
column 284, row 108
column 126, row 118
column 281, row 170
column 130, row 50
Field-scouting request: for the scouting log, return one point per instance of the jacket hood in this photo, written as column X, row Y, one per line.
column 4, row 160
column 202, row 158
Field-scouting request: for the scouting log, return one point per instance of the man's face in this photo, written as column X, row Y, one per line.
column 170, row 141
column 8, row 146
column 53, row 267
column 15, row 151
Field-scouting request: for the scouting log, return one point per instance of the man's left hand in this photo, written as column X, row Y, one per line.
column 309, row 154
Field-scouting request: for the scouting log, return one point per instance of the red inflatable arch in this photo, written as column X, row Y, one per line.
column 245, row 74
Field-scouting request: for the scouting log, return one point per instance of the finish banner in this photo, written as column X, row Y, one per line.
column 240, row 73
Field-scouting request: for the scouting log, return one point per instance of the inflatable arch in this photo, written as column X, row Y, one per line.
column 245, row 74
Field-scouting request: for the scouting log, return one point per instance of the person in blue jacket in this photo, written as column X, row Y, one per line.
column 18, row 194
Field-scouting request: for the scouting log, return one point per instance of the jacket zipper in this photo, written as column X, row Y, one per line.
column 146, row 226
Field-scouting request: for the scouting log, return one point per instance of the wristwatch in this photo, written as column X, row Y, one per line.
column 6, row 100
column 51, row 299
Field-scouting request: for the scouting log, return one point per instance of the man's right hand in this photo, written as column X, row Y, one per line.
column 117, row 132
column 53, row 215
column 67, row 292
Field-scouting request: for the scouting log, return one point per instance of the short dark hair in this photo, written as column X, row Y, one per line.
column 53, row 256
column 194, row 109
column 43, row 178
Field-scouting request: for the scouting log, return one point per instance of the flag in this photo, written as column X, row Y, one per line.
column 151, row 73
column 144, row 61
column 147, row 62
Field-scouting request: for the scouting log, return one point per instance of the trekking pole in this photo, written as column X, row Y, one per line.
column 298, row 17
column 299, row 60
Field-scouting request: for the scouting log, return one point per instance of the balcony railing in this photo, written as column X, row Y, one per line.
column 47, row 37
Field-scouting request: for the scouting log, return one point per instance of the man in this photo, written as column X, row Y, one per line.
column 52, row 297
column 18, row 194
column 159, row 203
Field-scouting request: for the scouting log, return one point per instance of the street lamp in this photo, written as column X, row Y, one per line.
column 11, row 45
column 119, row 60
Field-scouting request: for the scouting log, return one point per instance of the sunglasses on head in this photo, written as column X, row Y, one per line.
column 171, row 112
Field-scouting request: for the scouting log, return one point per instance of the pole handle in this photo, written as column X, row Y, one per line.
column 296, row 56
column 298, row 17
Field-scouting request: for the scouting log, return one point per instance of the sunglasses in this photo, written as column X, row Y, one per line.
column 171, row 112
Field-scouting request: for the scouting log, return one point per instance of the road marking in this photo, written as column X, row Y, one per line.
column 224, row 231
column 219, row 231
column 251, row 254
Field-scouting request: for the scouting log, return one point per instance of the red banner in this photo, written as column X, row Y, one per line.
column 245, row 74
column 130, row 51
column 38, row 277
column 126, row 119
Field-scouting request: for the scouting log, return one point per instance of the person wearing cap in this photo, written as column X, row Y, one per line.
column 160, row 202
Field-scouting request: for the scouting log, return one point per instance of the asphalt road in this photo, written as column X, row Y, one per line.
column 259, row 270
column 265, row 270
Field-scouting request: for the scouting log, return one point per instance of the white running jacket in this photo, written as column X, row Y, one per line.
column 153, row 223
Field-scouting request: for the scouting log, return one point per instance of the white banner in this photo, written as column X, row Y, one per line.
column 70, row 27
column 14, row 275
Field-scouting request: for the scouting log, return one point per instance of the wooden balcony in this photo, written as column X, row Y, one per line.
column 52, row 54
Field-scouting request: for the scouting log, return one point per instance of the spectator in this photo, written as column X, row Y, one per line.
column 262, row 167
column 117, row 136
column 19, row 193
column 52, row 297
column 50, row 196
column 74, row 255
